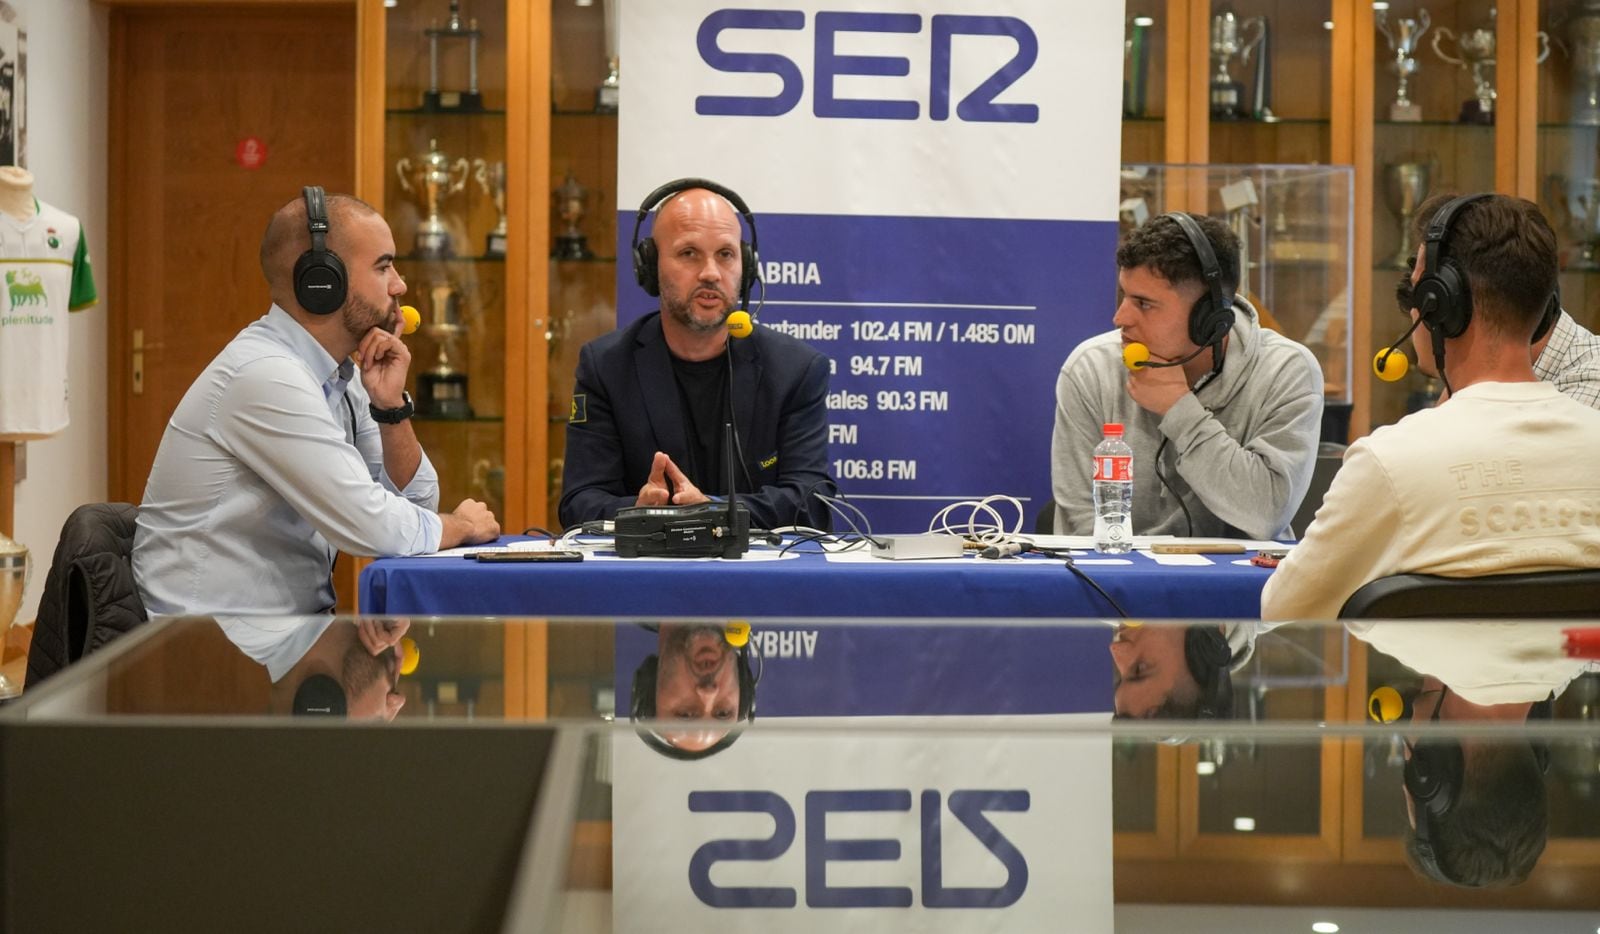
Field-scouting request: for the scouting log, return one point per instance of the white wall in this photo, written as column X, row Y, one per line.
column 67, row 82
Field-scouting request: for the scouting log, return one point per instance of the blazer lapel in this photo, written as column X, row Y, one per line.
column 746, row 383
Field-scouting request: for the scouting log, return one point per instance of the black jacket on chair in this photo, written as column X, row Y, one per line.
column 89, row 595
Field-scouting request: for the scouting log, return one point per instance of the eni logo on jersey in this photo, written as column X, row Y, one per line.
column 24, row 288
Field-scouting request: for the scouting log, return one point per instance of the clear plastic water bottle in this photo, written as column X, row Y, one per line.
column 1113, row 493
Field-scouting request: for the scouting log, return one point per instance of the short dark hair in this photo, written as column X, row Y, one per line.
column 1163, row 246
column 1498, row 827
column 1508, row 251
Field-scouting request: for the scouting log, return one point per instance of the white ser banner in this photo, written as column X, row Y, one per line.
column 860, row 827
column 908, row 108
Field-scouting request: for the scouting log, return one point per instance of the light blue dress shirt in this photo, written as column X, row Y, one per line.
column 257, row 483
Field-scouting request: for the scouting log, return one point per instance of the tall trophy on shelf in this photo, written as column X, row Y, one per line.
column 571, row 203
column 454, row 31
column 1228, row 40
column 491, row 178
column 1583, row 32
column 1475, row 53
column 609, row 93
column 432, row 178
column 442, row 391
column 1404, row 36
column 1405, row 186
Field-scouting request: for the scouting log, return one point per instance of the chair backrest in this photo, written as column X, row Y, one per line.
column 1329, row 457
column 1541, row 595
column 1045, row 522
column 89, row 593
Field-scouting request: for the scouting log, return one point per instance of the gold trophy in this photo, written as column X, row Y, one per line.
column 435, row 98
column 442, row 391
column 491, row 177
column 433, row 178
column 571, row 201
column 13, row 581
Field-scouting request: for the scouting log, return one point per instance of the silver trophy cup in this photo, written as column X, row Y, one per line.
column 433, row 178
column 1405, row 187
column 1404, row 35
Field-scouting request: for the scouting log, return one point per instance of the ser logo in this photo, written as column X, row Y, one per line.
column 966, row 806
column 977, row 107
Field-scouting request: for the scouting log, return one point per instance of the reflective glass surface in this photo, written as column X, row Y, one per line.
column 598, row 775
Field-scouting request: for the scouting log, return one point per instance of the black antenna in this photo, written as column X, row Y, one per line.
column 727, row 457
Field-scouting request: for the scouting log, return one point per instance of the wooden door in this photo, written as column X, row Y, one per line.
column 218, row 116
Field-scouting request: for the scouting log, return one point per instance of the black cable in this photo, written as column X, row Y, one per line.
column 1098, row 589
column 545, row 532
column 1188, row 521
column 833, row 503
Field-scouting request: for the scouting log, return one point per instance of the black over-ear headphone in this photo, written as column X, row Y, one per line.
column 1207, row 655
column 646, row 270
column 642, row 705
column 319, row 278
column 1443, row 296
column 320, row 695
column 1212, row 316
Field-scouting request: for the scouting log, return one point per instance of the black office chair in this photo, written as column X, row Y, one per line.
column 89, row 595
column 1540, row 595
column 1329, row 457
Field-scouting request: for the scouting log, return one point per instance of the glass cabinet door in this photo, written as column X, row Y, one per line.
column 1144, row 80
column 1434, row 106
column 444, row 154
column 1568, row 142
column 583, row 183
column 1270, row 81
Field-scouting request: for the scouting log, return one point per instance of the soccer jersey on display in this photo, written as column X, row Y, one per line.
column 45, row 264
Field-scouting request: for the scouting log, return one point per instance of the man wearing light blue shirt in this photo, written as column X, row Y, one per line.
column 276, row 458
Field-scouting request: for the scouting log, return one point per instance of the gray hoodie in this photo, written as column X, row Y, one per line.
column 1238, row 452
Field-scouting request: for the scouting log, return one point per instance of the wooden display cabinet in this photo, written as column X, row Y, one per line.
column 485, row 307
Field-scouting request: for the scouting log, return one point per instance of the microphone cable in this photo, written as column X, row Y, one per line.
column 1073, row 567
column 991, row 534
column 1188, row 521
column 838, row 503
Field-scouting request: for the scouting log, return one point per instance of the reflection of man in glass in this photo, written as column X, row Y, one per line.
column 1173, row 672
column 322, row 667
column 1476, row 806
column 698, row 678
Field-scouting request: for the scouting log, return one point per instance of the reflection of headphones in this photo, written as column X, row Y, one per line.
column 1212, row 316
column 642, row 703
column 319, row 277
column 319, row 696
column 1436, row 769
column 1207, row 654
column 646, row 270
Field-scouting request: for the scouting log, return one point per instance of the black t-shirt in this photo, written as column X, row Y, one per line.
column 703, row 390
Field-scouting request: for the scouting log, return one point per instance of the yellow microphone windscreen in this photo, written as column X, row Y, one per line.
column 1135, row 354
column 1385, row 705
column 739, row 324
column 410, row 655
column 737, row 633
column 1391, row 369
column 411, row 317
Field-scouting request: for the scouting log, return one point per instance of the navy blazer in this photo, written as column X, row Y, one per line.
column 626, row 407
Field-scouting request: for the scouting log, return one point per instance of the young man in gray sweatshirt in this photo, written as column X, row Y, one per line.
column 1224, row 436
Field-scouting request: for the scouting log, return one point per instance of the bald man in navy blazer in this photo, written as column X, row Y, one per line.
column 651, row 399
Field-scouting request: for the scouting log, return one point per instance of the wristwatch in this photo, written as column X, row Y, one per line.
column 393, row 416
